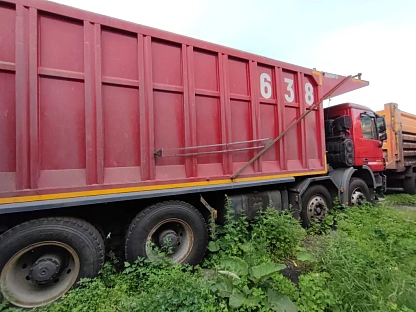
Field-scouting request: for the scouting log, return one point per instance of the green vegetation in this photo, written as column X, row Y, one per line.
column 401, row 199
column 358, row 259
column 371, row 261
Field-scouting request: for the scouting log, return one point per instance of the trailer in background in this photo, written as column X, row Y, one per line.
column 400, row 149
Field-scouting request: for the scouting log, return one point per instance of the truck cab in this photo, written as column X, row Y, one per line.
column 354, row 136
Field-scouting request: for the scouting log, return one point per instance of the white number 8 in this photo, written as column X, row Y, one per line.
column 265, row 86
column 309, row 97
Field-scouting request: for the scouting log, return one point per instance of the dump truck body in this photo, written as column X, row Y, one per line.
column 400, row 148
column 92, row 105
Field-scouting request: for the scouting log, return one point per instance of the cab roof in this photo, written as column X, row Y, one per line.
column 348, row 105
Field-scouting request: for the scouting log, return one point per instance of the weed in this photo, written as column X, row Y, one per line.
column 169, row 287
column 251, row 288
column 400, row 199
column 281, row 232
column 285, row 287
column 371, row 261
column 271, row 236
column 357, row 259
column 314, row 293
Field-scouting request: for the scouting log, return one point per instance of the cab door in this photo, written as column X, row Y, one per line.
column 368, row 145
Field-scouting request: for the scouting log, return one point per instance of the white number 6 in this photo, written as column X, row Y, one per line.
column 265, row 86
column 290, row 98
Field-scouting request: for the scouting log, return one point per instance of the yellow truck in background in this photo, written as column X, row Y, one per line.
column 400, row 149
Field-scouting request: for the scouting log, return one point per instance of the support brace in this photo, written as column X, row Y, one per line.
column 271, row 143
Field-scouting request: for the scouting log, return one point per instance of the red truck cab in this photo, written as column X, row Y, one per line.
column 354, row 135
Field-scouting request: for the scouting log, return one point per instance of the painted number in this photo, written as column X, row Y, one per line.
column 291, row 96
column 309, row 97
column 265, row 86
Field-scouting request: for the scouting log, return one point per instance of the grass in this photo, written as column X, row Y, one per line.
column 272, row 264
column 371, row 260
column 401, row 199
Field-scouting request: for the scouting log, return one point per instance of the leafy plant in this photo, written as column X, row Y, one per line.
column 285, row 287
column 231, row 238
column 173, row 288
column 323, row 226
column 314, row 293
column 271, row 236
column 281, row 232
column 250, row 288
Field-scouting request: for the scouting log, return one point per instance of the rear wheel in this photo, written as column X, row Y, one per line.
column 409, row 184
column 174, row 226
column 42, row 259
column 358, row 192
column 316, row 203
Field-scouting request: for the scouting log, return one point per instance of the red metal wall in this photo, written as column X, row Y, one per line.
column 86, row 100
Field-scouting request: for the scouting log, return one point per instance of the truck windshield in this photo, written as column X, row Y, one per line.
column 368, row 127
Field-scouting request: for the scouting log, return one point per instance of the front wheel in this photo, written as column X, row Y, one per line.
column 358, row 192
column 316, row 203
column 42, row 259
column 173, row 226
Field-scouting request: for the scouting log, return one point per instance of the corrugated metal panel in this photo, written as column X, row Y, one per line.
column 400, row 146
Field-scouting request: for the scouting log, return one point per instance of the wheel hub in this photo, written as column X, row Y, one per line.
column 173, row 236
column 39, row 274
column 357, row 197
column 45, row 269
column 169, row 238
column 317, row 207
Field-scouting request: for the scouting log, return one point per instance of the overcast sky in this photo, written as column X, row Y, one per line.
column 374, row 37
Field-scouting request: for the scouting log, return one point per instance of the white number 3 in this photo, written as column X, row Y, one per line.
column 290, row 97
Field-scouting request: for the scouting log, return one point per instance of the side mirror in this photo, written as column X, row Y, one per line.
column 383, row 136
column 381, row 124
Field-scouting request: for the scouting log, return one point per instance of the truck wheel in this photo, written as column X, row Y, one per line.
column 358, row 192
column 409, row 184
column 176, row 225
column 42, row 259
column 316, row 203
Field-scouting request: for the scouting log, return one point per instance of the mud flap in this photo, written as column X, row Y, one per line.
column 341, row 178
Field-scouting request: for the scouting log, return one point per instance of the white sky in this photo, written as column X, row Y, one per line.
column 374, row 37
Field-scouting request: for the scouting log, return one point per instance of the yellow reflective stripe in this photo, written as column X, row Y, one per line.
column 23, row 199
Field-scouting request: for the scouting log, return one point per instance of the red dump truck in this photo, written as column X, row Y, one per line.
column 115, row 134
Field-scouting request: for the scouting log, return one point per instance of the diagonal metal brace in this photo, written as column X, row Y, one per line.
column 271, row 143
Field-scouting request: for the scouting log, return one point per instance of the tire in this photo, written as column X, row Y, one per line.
column 316, row 203
column 358, row 192
column 349, row 145
column 42, row 259
column 409, row 184
column 179, row 221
